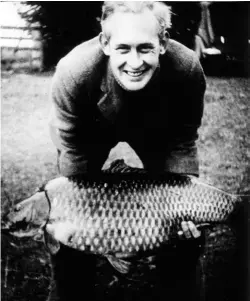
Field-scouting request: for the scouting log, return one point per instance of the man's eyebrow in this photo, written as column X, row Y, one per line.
column 143, row 45
column 146, row 45
column 121, row 45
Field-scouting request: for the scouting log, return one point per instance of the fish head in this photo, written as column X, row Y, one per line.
column 27, row 218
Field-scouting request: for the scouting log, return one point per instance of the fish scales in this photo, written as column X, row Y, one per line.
column 135, row 207
column 122, row 214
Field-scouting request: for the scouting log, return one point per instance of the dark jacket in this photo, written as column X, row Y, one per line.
column 92, row 113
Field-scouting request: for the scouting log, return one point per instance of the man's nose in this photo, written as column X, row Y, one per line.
column 134, row 60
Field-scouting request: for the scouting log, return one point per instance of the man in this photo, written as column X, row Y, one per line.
column 133, row 84
column 204, row 39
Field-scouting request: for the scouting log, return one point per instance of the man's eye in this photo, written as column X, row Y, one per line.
column 145, row 50
column 122, row 50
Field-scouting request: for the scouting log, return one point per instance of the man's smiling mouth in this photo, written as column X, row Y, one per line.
column 135, row 73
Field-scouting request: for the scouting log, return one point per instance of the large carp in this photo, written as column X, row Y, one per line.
column 117, row 215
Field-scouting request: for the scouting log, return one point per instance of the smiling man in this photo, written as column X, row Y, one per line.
column 133, row 47
column 134, row 84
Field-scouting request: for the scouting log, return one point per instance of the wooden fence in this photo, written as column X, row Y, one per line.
column 21, row 48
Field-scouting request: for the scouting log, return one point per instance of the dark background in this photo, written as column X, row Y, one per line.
column 66, row 24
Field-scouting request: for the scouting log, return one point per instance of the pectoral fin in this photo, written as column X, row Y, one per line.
column 51, row 243
column 120, row 265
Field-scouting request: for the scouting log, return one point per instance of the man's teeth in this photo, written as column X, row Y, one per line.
column 134, row 73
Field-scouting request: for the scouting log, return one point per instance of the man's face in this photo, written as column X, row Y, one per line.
column 133, row 48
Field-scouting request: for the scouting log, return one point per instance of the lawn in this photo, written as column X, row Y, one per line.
column 28, row 159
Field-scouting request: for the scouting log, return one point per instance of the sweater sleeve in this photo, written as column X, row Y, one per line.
column 73, row 126
column 182, row 155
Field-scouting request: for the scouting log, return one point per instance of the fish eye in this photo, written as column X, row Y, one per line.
column 17, row 208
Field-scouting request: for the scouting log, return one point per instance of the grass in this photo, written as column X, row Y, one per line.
column 28, row 159
column 225, row 135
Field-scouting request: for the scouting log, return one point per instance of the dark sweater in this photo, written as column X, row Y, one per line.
column 92, row 113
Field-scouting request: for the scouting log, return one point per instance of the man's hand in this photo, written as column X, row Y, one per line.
column 189, row 230
column 188, row 247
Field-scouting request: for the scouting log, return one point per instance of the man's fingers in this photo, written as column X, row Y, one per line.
column 195, row 232
column 185, row 229
column 189, row 230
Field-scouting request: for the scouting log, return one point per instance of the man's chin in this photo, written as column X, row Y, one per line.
column 133, row 86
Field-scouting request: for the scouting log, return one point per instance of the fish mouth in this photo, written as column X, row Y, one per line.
column 19, row 229
column 5, row 229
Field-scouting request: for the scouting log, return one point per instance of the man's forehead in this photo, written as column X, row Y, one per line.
column 119, row 17
column 129, row 26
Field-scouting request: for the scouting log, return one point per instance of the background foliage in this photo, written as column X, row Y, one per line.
column 63, row 25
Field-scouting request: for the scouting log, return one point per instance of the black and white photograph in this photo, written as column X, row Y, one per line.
column 125, row 150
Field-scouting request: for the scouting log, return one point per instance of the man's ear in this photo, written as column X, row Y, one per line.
column 164, row 43
column 104, row 43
